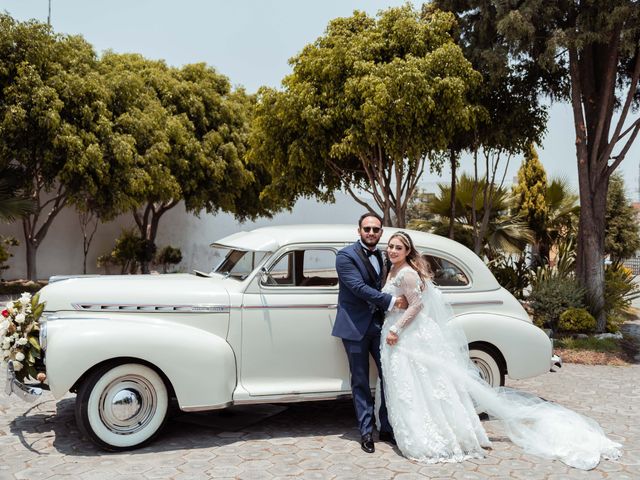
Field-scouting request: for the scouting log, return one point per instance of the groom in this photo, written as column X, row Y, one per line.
column 361, row 308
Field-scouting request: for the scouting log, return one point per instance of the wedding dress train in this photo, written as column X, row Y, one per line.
column 432, row 390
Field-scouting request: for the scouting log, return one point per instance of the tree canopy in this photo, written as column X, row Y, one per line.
column 52, row 119
column 365, row 106
column 622, row 238
column 586, row 52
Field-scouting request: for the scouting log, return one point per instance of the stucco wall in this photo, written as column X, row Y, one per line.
column 61, row 250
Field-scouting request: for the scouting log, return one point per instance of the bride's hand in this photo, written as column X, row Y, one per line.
column 392, row 338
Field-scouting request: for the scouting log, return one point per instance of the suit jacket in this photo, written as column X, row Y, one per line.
column 359, row 296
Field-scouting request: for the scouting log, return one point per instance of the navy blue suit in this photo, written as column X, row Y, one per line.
column 361, row 307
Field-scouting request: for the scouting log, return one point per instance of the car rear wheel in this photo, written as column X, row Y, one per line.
column 490, row 364
column 119, row 407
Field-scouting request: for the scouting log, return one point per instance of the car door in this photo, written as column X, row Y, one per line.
column 287, row 318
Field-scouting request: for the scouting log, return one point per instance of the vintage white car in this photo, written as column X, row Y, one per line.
column 256, row 329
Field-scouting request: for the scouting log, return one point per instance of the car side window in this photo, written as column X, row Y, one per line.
column 445, row 273
column 313, row 267
column 282, row 272
column 319, row 268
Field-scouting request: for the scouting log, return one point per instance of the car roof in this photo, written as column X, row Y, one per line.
column 272, row 238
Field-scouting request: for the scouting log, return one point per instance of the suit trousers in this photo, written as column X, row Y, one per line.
column 358, row 354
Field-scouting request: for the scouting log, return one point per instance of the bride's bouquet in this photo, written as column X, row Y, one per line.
column 19, row 332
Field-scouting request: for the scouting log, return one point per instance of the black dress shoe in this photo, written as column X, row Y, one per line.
column 388, row 437
column 367, row 443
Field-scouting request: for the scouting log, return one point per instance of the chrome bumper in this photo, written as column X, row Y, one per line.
column 25, row 392
column 556, row 362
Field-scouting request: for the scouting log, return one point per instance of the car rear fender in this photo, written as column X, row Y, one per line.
column 526, row 348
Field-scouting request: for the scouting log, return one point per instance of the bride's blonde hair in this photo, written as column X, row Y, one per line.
column 414, row 259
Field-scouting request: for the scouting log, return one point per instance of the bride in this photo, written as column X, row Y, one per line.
column 432, row 389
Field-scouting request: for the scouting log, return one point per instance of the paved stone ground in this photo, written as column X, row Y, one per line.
column 314, row 441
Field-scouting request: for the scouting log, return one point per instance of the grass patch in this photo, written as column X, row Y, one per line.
column 594, row 344
column 594, row 351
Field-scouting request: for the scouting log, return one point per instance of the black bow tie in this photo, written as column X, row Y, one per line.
column 371, row 252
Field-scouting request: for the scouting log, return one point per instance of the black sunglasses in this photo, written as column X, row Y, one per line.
column 368, row 229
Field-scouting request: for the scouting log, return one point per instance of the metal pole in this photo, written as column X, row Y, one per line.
column 49, row 15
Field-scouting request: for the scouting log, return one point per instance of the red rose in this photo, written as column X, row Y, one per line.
column 5, row 313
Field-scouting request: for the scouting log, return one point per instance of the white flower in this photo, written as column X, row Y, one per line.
column 10, row 308
column 22, row 341
column 17, row 366
column 25, row 299
column 6, row 344
column 20, row 356
column 4, row 325
column 20, row 318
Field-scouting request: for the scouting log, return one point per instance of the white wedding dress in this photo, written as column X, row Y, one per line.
column 432, row 389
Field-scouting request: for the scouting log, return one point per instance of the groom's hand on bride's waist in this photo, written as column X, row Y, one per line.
column 401, row 302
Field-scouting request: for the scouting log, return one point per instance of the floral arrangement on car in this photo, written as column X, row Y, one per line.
column 19, row 336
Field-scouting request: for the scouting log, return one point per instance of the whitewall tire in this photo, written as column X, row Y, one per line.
column 489, row 363
column 119, row 407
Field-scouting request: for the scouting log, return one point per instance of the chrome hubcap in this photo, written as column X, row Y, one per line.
column 125, row 404
column 128, row 404
column 485, row 371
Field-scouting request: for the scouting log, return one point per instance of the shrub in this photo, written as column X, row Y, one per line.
column 619, row 289
column 4, row 252
column 576, row 320
column 512, row 273
column 614, row 322
column 550, row 297
column 129, row 252
column 168, row 256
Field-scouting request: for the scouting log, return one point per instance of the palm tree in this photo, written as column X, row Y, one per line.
column 562, row 215
column 504, row 233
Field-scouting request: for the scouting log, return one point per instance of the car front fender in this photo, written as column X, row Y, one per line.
column 526, row 348
column 199, row 365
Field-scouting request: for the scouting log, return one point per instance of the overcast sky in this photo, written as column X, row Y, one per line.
column 250, row 41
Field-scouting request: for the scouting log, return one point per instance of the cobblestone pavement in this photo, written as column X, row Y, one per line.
column 314, row 441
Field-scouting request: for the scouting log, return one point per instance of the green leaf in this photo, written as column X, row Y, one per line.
column 33, row 341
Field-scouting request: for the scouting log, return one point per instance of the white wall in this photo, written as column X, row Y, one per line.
column 61, row 250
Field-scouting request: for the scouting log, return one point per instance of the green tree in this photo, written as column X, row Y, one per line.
column 514, row 117
column 52, row 118
column 365, row 106
column 529, row 198
column 622, row 238
column 586, row 52
column 179, row 134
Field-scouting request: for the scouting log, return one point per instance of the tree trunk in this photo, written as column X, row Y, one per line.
column 452, row 206
column 590, row 256
column 32, row 250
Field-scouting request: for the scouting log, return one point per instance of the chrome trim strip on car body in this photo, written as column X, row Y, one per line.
column 298, row 397
column 138, row 308
column 13, row 385
column 477, row 302
column 281, row 307
column 204, row 408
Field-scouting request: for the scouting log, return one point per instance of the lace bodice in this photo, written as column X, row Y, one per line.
column 406, row 282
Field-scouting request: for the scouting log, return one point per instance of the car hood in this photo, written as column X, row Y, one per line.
column 142, row 293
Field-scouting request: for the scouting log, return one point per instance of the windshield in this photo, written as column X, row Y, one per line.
column 236, row 263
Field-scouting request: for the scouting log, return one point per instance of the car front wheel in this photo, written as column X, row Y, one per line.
column 490, row 364
column 119, row 407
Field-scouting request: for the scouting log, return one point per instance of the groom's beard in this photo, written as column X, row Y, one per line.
column 369, row 242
